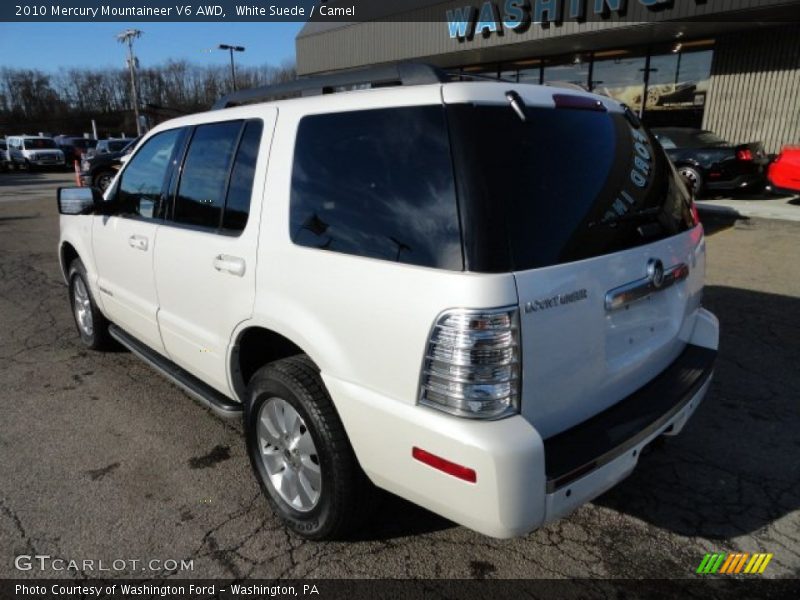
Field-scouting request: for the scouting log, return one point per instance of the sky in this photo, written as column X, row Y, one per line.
column 49, row 46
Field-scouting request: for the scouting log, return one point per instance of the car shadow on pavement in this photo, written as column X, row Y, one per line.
column 716, row 221
column 735, row 467
column 407, row 519
column 21, row 178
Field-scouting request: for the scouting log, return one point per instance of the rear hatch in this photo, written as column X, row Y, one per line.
column 582, row 205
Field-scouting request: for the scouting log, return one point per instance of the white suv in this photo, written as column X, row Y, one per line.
column 482, row 297
column 34, row 151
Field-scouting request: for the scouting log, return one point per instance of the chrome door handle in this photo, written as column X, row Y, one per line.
column 231, row 264
column 138, row 241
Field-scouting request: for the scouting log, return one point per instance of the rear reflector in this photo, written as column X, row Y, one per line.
column 579, row 102
column 451, row 468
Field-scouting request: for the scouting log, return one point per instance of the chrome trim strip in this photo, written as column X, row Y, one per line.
column 641, row 288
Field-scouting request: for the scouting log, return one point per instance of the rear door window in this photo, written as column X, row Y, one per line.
column 216, row 181
column 378, row 184
column 204, row 180
column 237, row 206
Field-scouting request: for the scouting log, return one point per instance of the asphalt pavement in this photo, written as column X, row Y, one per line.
column 105, row 460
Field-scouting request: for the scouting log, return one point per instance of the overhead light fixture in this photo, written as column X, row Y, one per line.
column 576, row 60
column 677, row 47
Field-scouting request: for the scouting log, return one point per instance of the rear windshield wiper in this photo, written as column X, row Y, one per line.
column 645, row 214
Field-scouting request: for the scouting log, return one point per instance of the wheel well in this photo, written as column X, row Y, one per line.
column 68, row 254
column 255, row 348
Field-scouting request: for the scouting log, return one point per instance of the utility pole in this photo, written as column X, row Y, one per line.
column 127, row 37
column 232, row 49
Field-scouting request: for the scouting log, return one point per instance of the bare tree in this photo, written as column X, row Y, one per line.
column 66, row 100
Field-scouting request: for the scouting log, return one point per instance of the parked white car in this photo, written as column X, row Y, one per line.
column 34, row 151
column 482, row 297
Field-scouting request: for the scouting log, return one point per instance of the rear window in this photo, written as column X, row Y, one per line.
column 564, row 185
column 378, row 184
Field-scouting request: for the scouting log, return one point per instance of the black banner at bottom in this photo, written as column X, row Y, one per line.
column 397, row 589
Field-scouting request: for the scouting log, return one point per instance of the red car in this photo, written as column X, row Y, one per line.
column 784, row 172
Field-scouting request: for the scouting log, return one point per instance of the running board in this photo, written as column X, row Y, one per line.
column 208, row 396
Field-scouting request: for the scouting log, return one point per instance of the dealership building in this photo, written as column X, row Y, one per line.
column 731, row 66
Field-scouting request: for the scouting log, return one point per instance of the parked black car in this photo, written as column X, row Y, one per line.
column 110, row 146
column 74, row 147
column 710, row 164
column 98, row 170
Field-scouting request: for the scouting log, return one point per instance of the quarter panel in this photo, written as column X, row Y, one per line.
column 362, row 320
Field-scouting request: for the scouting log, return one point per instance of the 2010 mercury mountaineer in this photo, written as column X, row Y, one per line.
column 483, row 297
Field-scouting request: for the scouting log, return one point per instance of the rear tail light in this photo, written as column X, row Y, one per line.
column 472, row 364
column 744, row 154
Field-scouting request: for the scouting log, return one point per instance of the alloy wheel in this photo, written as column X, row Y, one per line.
column 83, row 307
column 289, row 455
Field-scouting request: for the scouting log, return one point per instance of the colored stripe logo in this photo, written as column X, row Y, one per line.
column 739, row 562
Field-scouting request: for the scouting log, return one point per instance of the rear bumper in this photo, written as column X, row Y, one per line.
column 623, row 427
column 563, row 500
column 523, row 481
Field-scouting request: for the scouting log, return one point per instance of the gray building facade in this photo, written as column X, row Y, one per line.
column 732, row 66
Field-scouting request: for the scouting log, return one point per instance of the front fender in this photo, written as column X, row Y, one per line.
column 76, row 230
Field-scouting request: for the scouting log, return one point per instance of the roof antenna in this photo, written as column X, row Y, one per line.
column 517, row 104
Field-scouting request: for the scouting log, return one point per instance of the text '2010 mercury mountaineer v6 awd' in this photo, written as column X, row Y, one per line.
column 484, row 297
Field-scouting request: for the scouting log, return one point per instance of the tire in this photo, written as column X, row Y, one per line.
column 92, row 325
column 693, row 179
column 103, row 179
column 311, row 477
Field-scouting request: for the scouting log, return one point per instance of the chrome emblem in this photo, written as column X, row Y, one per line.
column 655, row 272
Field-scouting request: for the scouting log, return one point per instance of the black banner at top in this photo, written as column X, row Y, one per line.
column 477, row 14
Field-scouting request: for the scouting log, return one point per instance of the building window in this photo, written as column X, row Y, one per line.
column 676, row 93
column 673, row 93
column 620, row 76
column 572, row 70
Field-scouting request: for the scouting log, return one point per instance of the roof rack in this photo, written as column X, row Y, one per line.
column 381, row 76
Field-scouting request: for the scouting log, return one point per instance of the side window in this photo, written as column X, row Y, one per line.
column 204, row 180
column 379, row 184
column 139, row 191
column 237, row 206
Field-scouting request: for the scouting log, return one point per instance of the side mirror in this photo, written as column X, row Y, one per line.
column 78, row 200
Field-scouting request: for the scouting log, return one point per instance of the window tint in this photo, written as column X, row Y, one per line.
column 143, row 179
column 201, row 192
column 377, row 183
column 237, row 206
column 563, row 185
